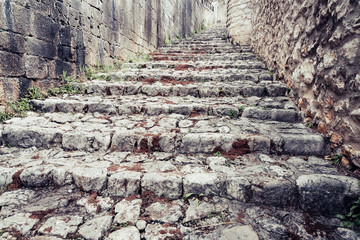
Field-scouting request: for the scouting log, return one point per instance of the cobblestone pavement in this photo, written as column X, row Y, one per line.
column 198, row 143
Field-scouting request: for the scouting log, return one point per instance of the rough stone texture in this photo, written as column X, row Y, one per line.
column 96, row 228
column 124, row 184
column 239, row 233
column 61, row 226
column 326, row 194
column 127, row 211
column 314, row 47
column 128, row 233
column 21, row 221
column 163, row 184
column 89, row 179
column 38, row 44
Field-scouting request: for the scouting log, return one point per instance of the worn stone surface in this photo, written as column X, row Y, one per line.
column 127, row 211
column 96, row 228
column 128, row 233
column 61, row 226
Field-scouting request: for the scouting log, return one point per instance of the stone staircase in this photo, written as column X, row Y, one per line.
column 198, row 143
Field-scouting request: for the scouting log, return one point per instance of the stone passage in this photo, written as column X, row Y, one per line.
column 198, row 143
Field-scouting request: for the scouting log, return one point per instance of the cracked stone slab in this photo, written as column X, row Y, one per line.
column 96, row 228
column 61, row 226
column 128, row 233
column 21, row 222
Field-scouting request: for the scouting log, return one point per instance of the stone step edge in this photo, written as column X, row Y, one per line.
column 195, row 89
column 171, row 142
column 152, row 109
column 312, row 193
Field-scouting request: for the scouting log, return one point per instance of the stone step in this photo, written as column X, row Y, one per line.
column 174, row 133
column 274, row 109
column 168, row 196
column 204, row 47
column 188, row 75
column 198, row 65
column 189, row 45
column 195, row 89
column 203, row 56
column 252, row 178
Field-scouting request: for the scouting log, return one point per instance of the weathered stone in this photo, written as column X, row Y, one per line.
column 61, row 226
column 163, row 184
column 100, row 204
column 96, row 228
column 38, row 176
column 209, row 184
column 141, row 225
column 89, row 179
column 123, row 184
column 237, row 188
column 127, row 211
column 20, row 222
column 128, row 233
column 16, row 198
column 164, row 212
column 303, row 144
column 239, row 233
column 198, row 211
column 323, row 193
column 158, row 232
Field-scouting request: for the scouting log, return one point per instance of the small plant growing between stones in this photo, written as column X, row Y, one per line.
column 336, row 159
column 232, row 113
column 194, row 197
column 352, row 219
column 5, row 116
column 308, row 124
column 218, row 154
column 241, row 108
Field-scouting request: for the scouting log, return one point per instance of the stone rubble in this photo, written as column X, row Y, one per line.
column 199, row 143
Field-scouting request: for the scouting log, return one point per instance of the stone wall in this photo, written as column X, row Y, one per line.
column 39, row 39
column 239, row 21
column 314, row 46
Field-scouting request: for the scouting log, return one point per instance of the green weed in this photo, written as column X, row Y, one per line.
column 218, row 154
column 241, row 108
column 337, row 158
column 232, row 113
column 352, row 218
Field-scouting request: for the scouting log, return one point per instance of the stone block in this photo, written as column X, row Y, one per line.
column 18, row 136
column 43, row 27
column 21, row 18
column 209, row 184
column 38, row 176
column 11, row 64
column 326, row 194
column 12, row 42
column 128, row 233
column 123, row 184
column 127, row 211
column 36, row 67
column 41, row 48
column 303, row 144
column 89, row 179
column 163, row 184
column 96, row 228
column 61, row 226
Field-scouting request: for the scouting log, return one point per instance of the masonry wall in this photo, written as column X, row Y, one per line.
column 39, row 39
column 314, row 46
